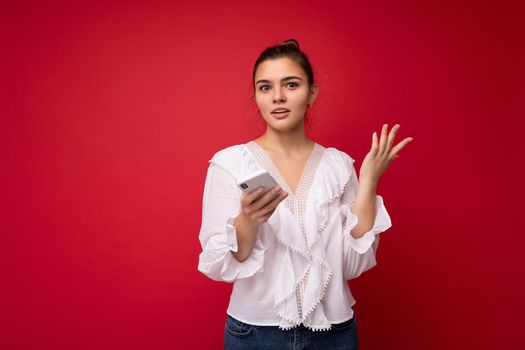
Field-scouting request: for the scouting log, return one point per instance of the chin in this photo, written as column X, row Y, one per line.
column 284, row 126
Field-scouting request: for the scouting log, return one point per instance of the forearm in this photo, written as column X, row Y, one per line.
column 246, row 237
column 364, row 207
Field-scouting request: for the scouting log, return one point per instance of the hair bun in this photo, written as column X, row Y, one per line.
column 292, row 43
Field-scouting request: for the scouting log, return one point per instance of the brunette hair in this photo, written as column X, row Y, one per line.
column 290, row 49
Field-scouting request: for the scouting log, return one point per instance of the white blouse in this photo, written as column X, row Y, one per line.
column 298, row 269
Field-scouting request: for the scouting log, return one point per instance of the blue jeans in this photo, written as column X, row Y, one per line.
column 239, row 336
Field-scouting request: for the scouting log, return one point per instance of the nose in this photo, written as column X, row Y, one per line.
column 278, row 95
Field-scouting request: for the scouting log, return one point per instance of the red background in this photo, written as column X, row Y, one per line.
column 111, row 111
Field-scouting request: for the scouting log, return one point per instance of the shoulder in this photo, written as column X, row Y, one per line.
column 338, row 157
column 228, row 154
column 236, row 160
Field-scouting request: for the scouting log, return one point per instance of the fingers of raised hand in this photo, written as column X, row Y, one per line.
column 383, row 139
column 391, row 137
column 395, row 150
column 375, row 147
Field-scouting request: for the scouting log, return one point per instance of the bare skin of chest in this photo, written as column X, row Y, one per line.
column 291, row 169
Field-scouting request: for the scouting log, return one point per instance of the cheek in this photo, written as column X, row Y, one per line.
column 258, row 99
column 261, row 102
column 300, row 98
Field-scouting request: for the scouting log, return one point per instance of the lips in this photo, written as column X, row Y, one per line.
column 280, row 110
column 281, row 115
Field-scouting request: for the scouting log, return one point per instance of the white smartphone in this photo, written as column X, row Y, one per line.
column 261, row 178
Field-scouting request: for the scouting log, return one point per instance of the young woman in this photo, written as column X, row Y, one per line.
column 291, row 251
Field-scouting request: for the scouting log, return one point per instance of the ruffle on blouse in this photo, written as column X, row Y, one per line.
column 332, row 176
column 300, row 259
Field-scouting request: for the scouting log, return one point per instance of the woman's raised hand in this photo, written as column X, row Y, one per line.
column 257, row 207
column 381, row 154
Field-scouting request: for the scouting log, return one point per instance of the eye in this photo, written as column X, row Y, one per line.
column 262, row 87
column 294, row 84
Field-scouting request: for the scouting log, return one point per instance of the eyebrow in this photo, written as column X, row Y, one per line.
column 283, row 79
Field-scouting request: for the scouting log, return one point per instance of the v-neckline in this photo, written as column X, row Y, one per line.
column 280, row 176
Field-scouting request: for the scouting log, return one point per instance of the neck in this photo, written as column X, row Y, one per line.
column 285, row 142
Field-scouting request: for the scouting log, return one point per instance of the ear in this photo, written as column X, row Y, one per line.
column 314, row 90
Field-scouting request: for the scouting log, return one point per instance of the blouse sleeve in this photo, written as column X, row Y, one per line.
column 218, row 238
column 358, row 257
column 354, row 263
column 382, row 220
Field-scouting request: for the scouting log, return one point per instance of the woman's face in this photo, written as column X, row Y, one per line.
column 281, row 83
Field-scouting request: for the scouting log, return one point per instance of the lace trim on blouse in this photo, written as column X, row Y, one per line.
column 296, row 202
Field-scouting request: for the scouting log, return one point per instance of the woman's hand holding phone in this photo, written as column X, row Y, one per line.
column 257, row 206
